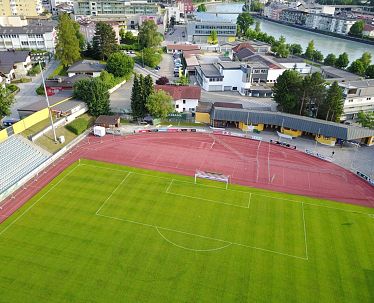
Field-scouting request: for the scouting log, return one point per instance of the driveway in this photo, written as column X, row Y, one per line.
column 176, row 36
column 27, row 94
column 120, row 100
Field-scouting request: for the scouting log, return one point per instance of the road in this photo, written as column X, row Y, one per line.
column 27, row 94
column 176, row 36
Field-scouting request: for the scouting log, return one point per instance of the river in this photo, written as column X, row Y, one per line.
column 325, row 44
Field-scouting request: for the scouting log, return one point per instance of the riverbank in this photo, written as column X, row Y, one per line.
column 316, row 31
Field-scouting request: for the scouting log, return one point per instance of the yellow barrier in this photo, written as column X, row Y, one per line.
column 325, row 140
column 245, row 127
column 291, row 132
column 31, row 120
column 202, row 117
column 3, row 135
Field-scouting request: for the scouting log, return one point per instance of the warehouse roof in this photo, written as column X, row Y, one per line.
column 41, row 27
column 306, row 124
column 86, row 66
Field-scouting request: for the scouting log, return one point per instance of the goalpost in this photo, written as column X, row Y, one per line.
column 212, row 176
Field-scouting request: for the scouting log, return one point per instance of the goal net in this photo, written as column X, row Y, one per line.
column 212, row 176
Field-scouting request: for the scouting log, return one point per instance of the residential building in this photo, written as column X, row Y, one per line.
column 14, row 64
column 185, row 6
column 198, row 30
column 293, row 16
column 13, row 21
column 186, row 98
column 368, row 31
column 173, row 12
column 329, row 23
column 295, row 63
column 40, row 34
column 25, row 8
column 173, row 48
column 56, row 3
column 114, row 7
column 86, row 67
column 60, row 83
column 358, row 96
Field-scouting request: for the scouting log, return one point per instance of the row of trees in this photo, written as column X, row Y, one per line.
column 6, row 101
column 308, row 96
column 145, row 100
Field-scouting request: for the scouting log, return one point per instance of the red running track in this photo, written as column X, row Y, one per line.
column 248, row 162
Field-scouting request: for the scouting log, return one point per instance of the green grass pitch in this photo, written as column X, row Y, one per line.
column 106, row 233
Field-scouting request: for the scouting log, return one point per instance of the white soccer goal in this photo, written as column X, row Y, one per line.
column 212, row 176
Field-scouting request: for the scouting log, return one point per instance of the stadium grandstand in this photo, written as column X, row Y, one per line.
column 18, row 157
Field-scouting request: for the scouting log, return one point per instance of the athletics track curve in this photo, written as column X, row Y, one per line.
column 248, row 162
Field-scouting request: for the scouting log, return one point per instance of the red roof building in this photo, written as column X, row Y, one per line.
column 185, row 98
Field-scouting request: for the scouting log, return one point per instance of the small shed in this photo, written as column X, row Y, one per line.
column 108, row 121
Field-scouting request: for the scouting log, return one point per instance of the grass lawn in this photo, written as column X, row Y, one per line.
column 107, row 233
column 37, row 127
column 47, row 140
column 59, row 71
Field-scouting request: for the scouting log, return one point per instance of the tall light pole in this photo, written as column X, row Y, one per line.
column 49, row 106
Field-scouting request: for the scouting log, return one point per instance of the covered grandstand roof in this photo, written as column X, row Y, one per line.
column 306, row 124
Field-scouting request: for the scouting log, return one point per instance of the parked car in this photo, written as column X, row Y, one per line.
column 157, row 68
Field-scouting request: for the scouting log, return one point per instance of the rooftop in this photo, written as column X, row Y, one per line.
column 40, row 27
column 55, row 99
column 230, row 65
column 86, row 66
column 181, row 92
column 183, row 47
column 244, row 53
column 64, row 81
column 333, row 72
column 9, row 58
column 210, row 70
column 358, row 84
column 289, row 59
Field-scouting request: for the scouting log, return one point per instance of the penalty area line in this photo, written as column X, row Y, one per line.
column 203, row 237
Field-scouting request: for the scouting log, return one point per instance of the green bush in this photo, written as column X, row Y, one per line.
column 22, row 80
column 40, row 90
column 78, row 126
column 134, row 47
column 12, row 88
column 34, row 70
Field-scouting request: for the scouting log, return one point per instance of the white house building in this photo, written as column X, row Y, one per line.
column 358, row 96
column 86, row 67
column 185, row 98
column 14, row 64
column 39, row 34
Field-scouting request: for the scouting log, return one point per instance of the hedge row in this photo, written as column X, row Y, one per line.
column 78, row 126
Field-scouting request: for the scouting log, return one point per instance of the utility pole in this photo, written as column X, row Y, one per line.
column 49, row 107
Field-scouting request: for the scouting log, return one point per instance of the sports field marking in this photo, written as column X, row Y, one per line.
column 41, row 197
column 305, row 235
column 114, row 190
column 204, row 237
column 190, row 249
column 249, row 200
column 263, row 195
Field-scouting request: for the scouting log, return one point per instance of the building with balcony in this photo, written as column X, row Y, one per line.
column 27, row 8
column 358, row 96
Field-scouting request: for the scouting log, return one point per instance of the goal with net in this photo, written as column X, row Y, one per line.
column 212, row 176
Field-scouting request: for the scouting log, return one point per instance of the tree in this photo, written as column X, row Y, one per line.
column 342, row 61
column 258, row 27
column 296, row 49
column 357, row 67
column 120, row 65
column 366, row 119
column 94, row 92
column 251, row 34
column 309, row 52
column 332, row 107
column 366, row 59
column 67, row 47
column 148, row 35
column 148, row 88
column 162, row 81
column 370, row 72
column 137, row 104
column 317, row 56
column 6, row 101
column 286, row 91
column 122, row 34
column 201, row 8
column 104, row 42
column 160, row 104
column 280, row 48
column 244, row 21
column 89, row 52
column 183, row 80
column 312, row 92
column 256, row 6
column 128, row 38
column 330, row 60
column 213, row 37
column 357, row 28
column 150, row 56
column 79, row 35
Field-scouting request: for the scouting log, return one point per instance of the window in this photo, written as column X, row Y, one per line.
column 184, row 109
column 177, row 106
column 184, row 101
column 25, row 43
column 350, row 100
column 368, row 99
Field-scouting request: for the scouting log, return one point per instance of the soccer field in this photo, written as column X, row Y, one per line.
column 106, row 233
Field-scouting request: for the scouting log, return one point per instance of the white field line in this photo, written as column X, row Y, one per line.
column 171, row 182
column 262, row 195
column 204, row 237
column 111, row 194
column 208, row 200
column 305, row 235
column 32, row 205
column 249, row 200
column 190, row 249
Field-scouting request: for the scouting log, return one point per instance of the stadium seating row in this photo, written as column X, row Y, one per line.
column 18, row 157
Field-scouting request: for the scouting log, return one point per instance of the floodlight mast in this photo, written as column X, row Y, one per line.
column 49, row 106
